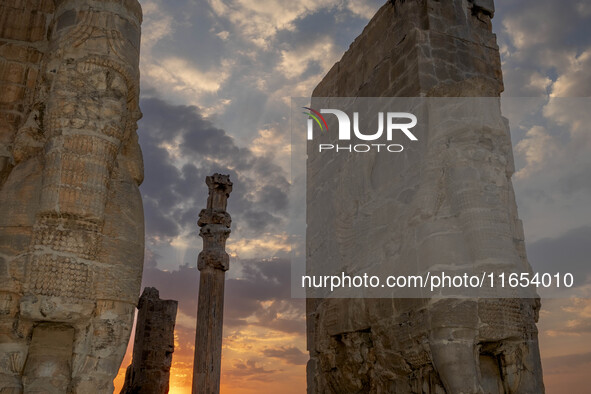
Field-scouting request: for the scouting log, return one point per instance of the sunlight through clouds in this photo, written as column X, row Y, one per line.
column 294, row 63
column 155, row 26
column 188, row 81
column 537, row 145
column 576, row 79
column 265, row 245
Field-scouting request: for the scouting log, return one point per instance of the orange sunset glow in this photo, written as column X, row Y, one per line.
column 245, row 369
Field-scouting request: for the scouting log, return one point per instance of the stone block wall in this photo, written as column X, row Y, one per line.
column 450, row 201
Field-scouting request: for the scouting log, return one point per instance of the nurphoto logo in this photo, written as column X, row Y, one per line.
column 393, row 125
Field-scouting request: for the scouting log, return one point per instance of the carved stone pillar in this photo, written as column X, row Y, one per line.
column 213, row 262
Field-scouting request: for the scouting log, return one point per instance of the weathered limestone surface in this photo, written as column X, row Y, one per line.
column 71, row 219
column 149, row 371
column 451, row 203
column 213, row 262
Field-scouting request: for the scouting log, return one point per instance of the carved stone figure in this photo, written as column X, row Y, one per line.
column 71, row 218
column 451, row 203
column 153, row 345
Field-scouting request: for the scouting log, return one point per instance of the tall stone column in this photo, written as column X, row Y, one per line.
column 213, row 262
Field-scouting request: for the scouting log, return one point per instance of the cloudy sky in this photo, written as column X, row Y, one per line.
column 217, row 77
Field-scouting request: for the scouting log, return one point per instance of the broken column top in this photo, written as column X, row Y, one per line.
column 220, row 188
column 215, row 223
column 153, row 347
column 149, row 293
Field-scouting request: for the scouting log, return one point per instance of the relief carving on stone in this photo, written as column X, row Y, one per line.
column 449, row 202
column 71, row 218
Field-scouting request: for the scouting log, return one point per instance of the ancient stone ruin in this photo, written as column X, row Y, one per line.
column 71, row 218
column 458, row 205
column 213, row 262
column 153, row 345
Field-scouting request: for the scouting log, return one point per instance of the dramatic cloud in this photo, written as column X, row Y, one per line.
column 364, row 8
column 535, row 53
column 257, row 293
column 297, row 62
column 249, row 369
column 155, row 26
column 552, row 155
column 179, row 75
column 181, row 148
column 289, row 354
column 260, row 20
column 576, row 79
column 537, row 145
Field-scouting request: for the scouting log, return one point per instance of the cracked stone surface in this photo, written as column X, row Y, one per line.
column 458, row 205
column 149, row 371
column 71, row 218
